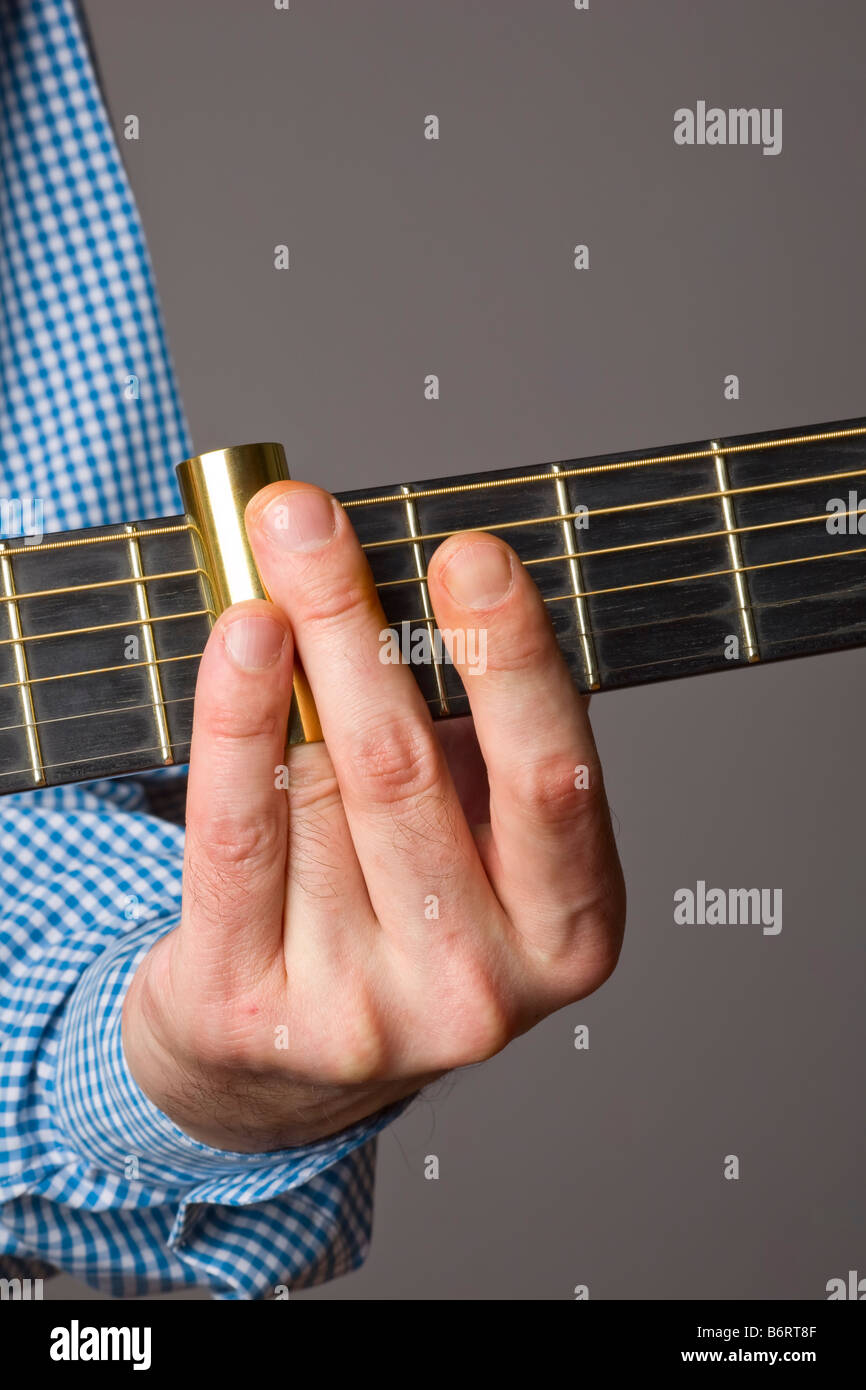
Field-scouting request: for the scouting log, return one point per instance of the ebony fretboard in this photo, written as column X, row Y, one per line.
column 84, row 694
column 653, row 565
column 679, row 550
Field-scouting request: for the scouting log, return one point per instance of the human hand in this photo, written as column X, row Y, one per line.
column 383, row 921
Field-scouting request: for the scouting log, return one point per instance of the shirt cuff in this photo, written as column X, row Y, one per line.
column 104, row 1114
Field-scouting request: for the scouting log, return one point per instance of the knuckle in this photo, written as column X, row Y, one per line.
column 521, row 637
column 544, row 791
column 236, row 726
column 491, row 1029
column 519, row 643
column 601, row 934
column 227, row 842
column 588, row 966
column 583, row 951
column 335, row 598
column 393, row 762
column 600, row 967
column 483, row 1026
column 359, row 1051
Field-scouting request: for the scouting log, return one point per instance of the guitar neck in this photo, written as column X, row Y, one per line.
column 104, row 631
column 652, row 565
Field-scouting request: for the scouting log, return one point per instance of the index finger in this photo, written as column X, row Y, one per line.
column 235, row 862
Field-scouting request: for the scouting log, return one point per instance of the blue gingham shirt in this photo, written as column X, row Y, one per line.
column 94, row 1179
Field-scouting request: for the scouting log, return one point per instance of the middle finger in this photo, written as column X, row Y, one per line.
column 414, row 845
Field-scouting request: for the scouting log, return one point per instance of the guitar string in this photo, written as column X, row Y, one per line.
column 100, row 627
column 95, row 758
column 831, row 595
column 686, row 578
column 649, row 545
column 97, row 713
column 597, row 631
column 766, row 645
column 99, row 670
column 693, row 656
column 699, row 656
column 709, row 574
column 486, row 484
column 431, row 622
column 453, row 488
column 621, row 507
column 555, row 598
column 127, row 536
column 457, row 696
column 506, row 525
column 106, row 583
column 540, row 560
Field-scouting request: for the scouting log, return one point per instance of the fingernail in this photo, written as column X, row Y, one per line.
column 303, row 520
column 478, row 575
column 254, row 641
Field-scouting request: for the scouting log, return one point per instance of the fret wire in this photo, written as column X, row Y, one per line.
column 628, row 507
column 740, row 582
column 106, row 627
column 587, row 646
column 98, row 540
column 28, row 709
column 421, row 575
column 650, row 545
column 146, row 624
column 750, row 447
column 98, row 670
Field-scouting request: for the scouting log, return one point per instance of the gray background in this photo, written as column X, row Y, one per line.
column 258, row 127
